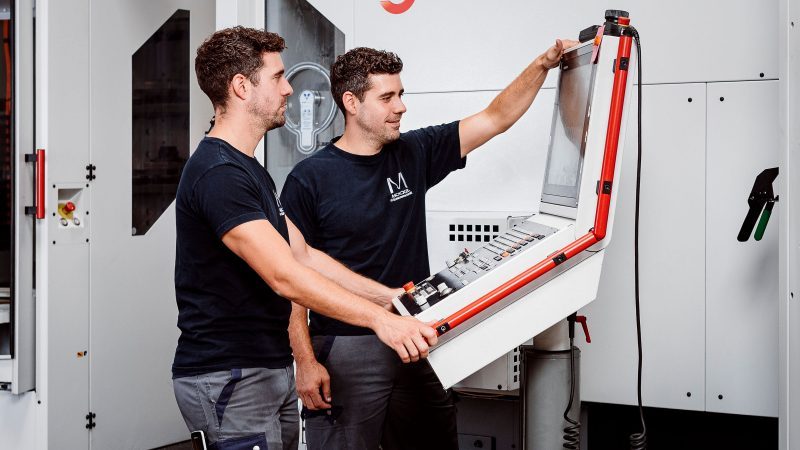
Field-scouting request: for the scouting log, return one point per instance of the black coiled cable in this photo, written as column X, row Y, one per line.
column 638, row 441
column 572, row 432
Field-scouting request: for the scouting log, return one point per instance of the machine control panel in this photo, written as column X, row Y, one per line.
column 469, row 266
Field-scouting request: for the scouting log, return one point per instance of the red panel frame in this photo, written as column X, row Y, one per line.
column 596, row 234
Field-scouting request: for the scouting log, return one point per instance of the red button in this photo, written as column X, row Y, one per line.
column 408, row 287
column 69, row 207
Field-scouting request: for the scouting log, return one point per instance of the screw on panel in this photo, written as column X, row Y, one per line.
column 719, row 396
column 722, row 99
column 690, row 99
column 761, row 74
column 688, row 394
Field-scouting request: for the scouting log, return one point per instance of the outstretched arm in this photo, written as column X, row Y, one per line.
column 265, row 251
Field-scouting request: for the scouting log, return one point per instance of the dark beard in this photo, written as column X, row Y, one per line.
column 268, row 121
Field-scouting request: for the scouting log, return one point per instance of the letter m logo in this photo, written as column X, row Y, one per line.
column 401, row 183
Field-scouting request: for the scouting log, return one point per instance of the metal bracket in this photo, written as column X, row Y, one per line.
column 560, row 258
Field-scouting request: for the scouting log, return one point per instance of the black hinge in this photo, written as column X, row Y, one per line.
column 91, row 168
column 90, row 423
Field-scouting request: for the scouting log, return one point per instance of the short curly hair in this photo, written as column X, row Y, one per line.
column 229, row 52
column 350, row 72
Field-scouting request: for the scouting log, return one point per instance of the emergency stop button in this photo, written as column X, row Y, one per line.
column 69, row 207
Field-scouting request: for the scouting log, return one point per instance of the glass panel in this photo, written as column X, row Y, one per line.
column 313, row 44
column 568, row 133
column 6, row 179
column 160, row 120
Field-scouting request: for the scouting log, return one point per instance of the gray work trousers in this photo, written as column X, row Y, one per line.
column 362, row 371
column 242, row 409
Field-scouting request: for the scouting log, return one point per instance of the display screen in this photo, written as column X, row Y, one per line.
column 568, row 131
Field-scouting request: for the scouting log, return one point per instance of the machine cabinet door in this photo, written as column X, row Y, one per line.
column 741, row 277
column 672, row 277
column 147, row 114
column 17, row 298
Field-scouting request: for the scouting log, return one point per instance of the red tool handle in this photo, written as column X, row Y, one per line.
column 40, row 183
column 582, row 320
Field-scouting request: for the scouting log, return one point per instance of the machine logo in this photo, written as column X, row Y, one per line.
column 401, row 186
column 396, row 8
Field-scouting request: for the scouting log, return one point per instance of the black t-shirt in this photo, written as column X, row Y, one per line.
column 368, row 212
column 228, row 316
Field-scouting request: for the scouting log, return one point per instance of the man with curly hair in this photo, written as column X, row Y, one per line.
column 361, row 199
column 238, row 260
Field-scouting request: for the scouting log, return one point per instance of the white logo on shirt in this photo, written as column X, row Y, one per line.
column 401, row 186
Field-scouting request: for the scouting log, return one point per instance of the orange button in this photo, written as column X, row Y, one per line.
column 409, row 287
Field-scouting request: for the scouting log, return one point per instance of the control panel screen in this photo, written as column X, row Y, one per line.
column 568, row 131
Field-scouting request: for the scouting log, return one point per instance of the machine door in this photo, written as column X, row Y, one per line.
column 17, row 300
column 147, row 115
column 312, row 117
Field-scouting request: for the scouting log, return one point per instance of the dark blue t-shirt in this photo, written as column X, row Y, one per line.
column 368, row 212
column 228, row 316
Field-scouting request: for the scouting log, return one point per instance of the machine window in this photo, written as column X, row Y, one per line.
column 160, row 147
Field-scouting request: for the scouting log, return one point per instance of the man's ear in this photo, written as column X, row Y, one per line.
column 240, row 86
column 350, row 102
